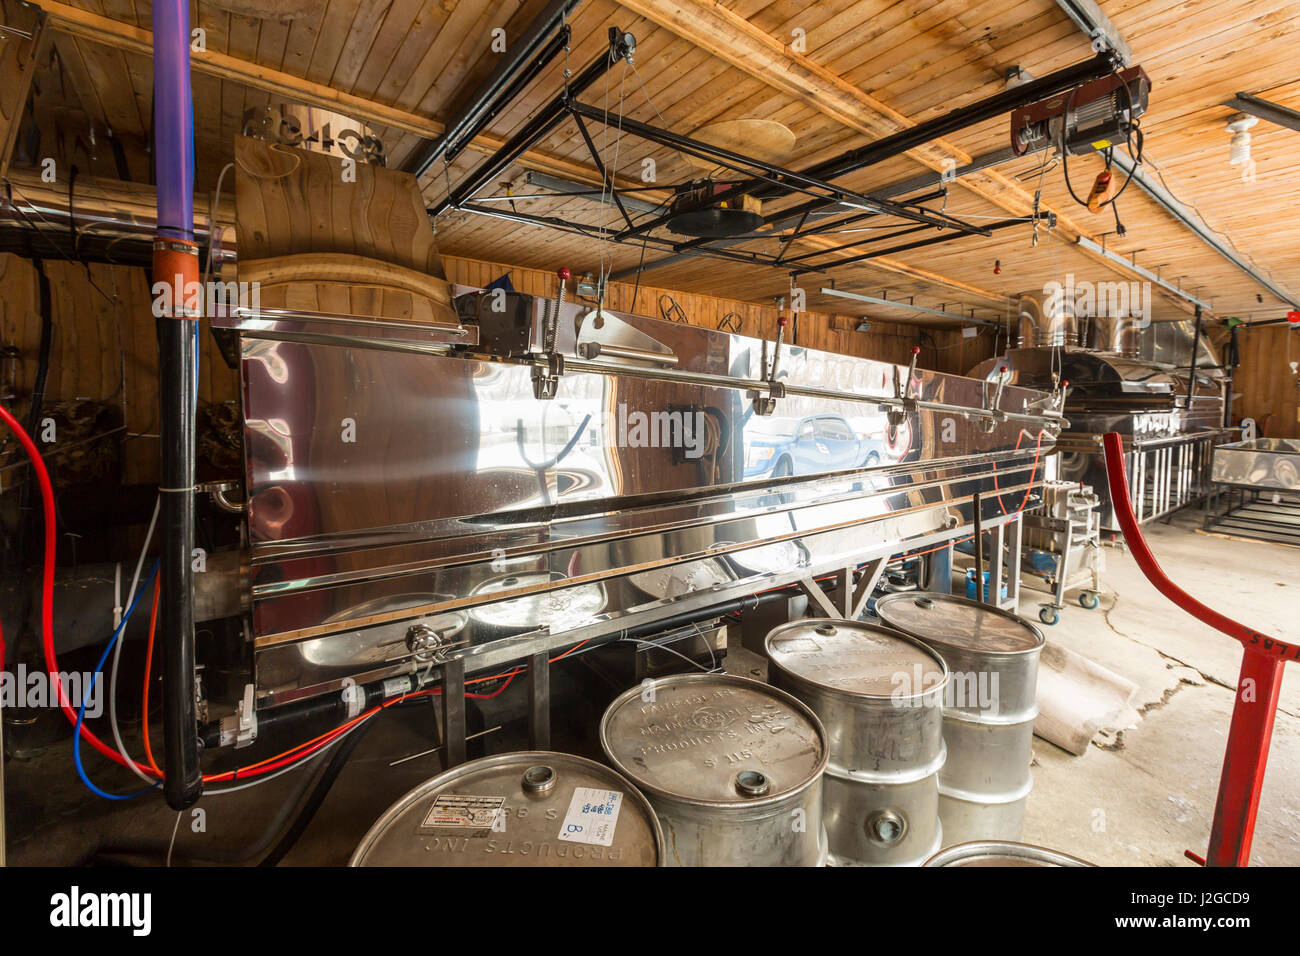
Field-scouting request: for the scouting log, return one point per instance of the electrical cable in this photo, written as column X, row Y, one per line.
column 148, row 666
column 117, row 653
column 81, row 711
column 47, row 581
column 77, row 718
column 315, row 799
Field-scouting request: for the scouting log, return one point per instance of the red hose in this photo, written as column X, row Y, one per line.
column 47, row 586
column 1120, row 501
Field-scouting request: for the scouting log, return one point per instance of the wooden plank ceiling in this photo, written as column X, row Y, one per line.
column 868, row 67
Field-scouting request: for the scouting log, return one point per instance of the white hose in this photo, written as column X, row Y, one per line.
column 117, row 653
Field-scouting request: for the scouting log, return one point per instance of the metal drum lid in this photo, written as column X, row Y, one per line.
column 950, row 621
column 557, row 609
column 855, row 658
column 522, row 809
column 714, row 740
column 1002, row 853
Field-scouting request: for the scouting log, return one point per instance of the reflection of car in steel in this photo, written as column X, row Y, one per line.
column 815, row 444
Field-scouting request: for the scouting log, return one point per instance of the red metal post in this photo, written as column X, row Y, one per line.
column 1258, row 686
column 1244, row 761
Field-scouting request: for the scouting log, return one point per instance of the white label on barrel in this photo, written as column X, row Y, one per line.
column 462, row 810
column 592, row 816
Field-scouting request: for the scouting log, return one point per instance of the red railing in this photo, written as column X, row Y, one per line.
column 1258, row 686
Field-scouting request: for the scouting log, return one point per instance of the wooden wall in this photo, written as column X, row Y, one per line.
column 105, row 345
column 1267, row 386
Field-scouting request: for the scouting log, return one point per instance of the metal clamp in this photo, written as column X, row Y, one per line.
column 546, row 378
column 219, row 491
column 766, row 404
column 995, row 415
column 908, row 403
column 594, row 350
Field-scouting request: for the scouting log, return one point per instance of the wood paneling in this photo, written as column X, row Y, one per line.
column 18, row 58
column 105, row 347
column 1268, row 384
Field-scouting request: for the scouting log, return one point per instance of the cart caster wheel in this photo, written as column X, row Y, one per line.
column 1089, row 600
column 1048, row 615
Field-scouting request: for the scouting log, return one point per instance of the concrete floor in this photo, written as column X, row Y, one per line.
column 1148, row 794
column 1139, row 798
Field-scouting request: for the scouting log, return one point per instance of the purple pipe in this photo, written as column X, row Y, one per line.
column 173, row 139
column 173, row 117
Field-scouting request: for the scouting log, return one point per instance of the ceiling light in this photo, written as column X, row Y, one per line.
column 1239, row 126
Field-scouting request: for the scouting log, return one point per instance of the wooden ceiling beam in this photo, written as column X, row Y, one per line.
column 18, row 57
column 733, row 39
column 95, row 28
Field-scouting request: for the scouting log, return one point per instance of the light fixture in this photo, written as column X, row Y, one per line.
column 1239, row 126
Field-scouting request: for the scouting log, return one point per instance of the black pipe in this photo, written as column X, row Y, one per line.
column 554, row 48
column 959, row 119
column 176, row 527
column 113, row 854
column 317, row 797
column 47, row 343
column 176, row 263
column 1231, row 359
column 46, row 306
column 900, row 142
column 527, row 57
column 903, row 247
column 1196, row 348
column 621, row 45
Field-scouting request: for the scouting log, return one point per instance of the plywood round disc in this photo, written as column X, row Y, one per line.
column 282, row 10
column 763, row 139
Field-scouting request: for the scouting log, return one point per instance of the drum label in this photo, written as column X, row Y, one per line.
column 464, row 810
column 592, row 816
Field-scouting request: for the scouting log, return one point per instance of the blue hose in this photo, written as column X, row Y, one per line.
column 81, row 711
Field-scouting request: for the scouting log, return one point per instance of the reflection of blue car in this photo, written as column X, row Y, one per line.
column 818, row 443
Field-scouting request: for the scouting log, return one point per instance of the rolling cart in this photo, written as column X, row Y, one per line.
column 1062, row 546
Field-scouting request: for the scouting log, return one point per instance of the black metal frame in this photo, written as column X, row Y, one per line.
column 829, row 207
column 1252, row 513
